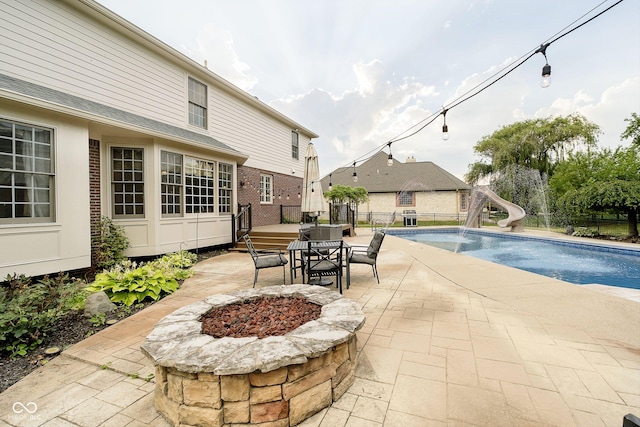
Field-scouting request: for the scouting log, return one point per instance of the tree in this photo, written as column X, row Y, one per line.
column 344, row 194
column 341, row 194
column 536, row 144
column 633, row 129
column 608, row 180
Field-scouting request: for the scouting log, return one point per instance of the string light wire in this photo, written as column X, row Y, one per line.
column 480, row 87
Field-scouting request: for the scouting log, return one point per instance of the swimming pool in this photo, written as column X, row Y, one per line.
column 572, row 262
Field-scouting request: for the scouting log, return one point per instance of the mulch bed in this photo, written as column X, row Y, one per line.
column 68, row 330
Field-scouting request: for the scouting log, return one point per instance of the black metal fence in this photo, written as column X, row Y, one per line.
column 412, row 218
column 290, row 214
column 608, row 225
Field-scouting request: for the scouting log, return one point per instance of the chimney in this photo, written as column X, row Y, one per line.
column 411, row 159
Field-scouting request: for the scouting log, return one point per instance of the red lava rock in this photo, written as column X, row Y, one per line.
column 260, row 318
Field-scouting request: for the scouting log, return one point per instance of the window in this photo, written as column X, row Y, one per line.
column 127, row 182
column 225, row 182
column 463, row 201
column 199, row 186
column 171, row 183
column 295, row 149
column 266, row 189
column 197, row 103
column 26, row 173
column 405, row 198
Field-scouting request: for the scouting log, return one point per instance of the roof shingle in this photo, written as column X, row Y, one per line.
column 377, row 177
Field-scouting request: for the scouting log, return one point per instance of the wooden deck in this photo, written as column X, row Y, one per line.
column 279, row 236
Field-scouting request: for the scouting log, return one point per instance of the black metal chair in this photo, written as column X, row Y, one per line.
column 265, row 258
column 324, row 260
column 365, row 255
column 304, row 236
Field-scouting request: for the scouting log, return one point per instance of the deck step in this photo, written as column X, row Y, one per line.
column 268, row 240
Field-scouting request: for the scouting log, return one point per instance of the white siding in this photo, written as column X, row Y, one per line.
column 48, row 43
column 51, row 44
column 253, row 132
column 70, row 47
column 35, row 249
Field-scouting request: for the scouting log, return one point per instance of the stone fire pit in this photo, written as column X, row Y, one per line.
column 277, row 381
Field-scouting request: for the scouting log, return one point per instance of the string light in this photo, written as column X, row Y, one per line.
column 445, row 128
column 330, row 183
column 355, row 174
column 546, row 70
column 390, row 159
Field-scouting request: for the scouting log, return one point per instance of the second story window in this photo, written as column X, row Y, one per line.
column 197, row 103
column 295, row 148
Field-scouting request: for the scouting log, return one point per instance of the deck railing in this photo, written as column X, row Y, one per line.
column 242, row 222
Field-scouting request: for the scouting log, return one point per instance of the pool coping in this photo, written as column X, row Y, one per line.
column 614, row 247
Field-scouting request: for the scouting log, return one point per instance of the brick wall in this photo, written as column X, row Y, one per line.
column 94, row 193
column 285, row 192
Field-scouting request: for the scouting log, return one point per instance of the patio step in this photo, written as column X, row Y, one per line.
column 268, row 240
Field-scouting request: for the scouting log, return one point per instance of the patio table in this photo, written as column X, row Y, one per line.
column 303, row 245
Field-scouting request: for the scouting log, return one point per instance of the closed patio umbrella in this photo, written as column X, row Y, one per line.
column 312, row 194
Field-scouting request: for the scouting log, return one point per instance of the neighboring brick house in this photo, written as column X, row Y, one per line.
column 98, row 117
column 423, row 187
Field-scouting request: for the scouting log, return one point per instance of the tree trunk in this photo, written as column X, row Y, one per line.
column 632, row 220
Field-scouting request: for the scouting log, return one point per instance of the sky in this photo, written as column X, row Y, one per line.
column 361, row 73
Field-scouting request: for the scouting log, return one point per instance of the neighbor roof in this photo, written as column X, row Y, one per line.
column 377, row 177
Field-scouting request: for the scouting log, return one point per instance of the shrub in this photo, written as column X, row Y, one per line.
column 28, row 311
column 110, row 245
column 128, row 282
column 128, row 286
column 585, row 232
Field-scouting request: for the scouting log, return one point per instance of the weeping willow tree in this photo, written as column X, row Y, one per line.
column 538, row 144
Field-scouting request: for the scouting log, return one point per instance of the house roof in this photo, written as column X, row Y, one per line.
column 102, row 113
column 377, row 177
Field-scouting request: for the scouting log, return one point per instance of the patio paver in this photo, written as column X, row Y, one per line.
column 449, row 340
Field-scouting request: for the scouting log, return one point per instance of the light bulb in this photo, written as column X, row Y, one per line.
column 445, row 132
column 390, row 160
column 546, row 76
column 355, row 177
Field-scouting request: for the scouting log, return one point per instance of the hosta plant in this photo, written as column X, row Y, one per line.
column 129, row 286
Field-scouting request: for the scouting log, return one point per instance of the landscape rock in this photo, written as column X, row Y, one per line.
column 98, row 303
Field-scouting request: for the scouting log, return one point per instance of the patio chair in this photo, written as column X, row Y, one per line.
column 265, row 258
column 304, row 234
column 323, row 261
column 365, row 255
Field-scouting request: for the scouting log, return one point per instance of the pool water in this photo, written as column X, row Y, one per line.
column 572, row 262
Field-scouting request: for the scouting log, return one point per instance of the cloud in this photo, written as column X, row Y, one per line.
column 607, row 111
column 361, row 119
column 215, row 45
